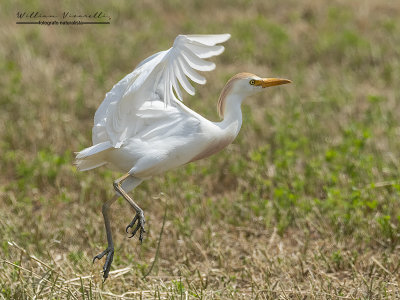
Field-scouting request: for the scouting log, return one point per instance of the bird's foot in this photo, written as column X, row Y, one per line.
column 107, row 266
column 139, row 218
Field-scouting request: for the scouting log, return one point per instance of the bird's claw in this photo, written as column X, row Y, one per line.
column 139, row 218
column 107, row 265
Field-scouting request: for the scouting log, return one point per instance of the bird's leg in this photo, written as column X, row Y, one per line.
column 139, row 217
column 110, row 247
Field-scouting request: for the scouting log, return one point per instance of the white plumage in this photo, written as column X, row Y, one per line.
column 141, row 112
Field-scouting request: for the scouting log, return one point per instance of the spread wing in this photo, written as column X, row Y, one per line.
column 157, row 78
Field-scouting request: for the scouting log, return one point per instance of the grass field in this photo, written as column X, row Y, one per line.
column 304, row 205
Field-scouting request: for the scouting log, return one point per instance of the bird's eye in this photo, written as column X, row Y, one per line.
column 252, row 82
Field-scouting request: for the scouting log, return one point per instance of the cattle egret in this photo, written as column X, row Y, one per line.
column 143, row 129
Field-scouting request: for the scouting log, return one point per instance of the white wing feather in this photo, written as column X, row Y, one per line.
column 120, row 116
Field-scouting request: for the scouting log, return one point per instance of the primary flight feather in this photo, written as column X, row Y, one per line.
column 143, row 129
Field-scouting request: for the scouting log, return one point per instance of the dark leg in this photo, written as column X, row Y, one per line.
column 110, row 247
column 139, row 217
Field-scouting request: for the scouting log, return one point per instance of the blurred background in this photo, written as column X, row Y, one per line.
column 304, row 204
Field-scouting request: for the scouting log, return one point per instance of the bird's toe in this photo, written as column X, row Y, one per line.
column 131, row 224
column 139, row 218
column 107, row 265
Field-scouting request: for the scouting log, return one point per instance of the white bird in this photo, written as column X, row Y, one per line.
column 143, row 129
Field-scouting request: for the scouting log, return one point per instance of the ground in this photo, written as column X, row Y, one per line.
column 303, row 205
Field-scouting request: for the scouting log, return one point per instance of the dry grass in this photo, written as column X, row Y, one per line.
column 304, row 205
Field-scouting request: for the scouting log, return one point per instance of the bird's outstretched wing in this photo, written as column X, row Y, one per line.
column 156, row 78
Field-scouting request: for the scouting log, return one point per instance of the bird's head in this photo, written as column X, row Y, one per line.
column 246, row 84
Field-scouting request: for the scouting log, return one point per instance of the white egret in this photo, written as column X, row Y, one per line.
column 143, row 129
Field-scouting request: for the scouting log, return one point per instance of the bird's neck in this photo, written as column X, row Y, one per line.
column 232, row 113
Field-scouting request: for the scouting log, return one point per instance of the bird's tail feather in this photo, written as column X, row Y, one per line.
column 92, row 157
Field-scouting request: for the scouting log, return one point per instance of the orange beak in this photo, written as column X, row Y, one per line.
column 266, row 82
